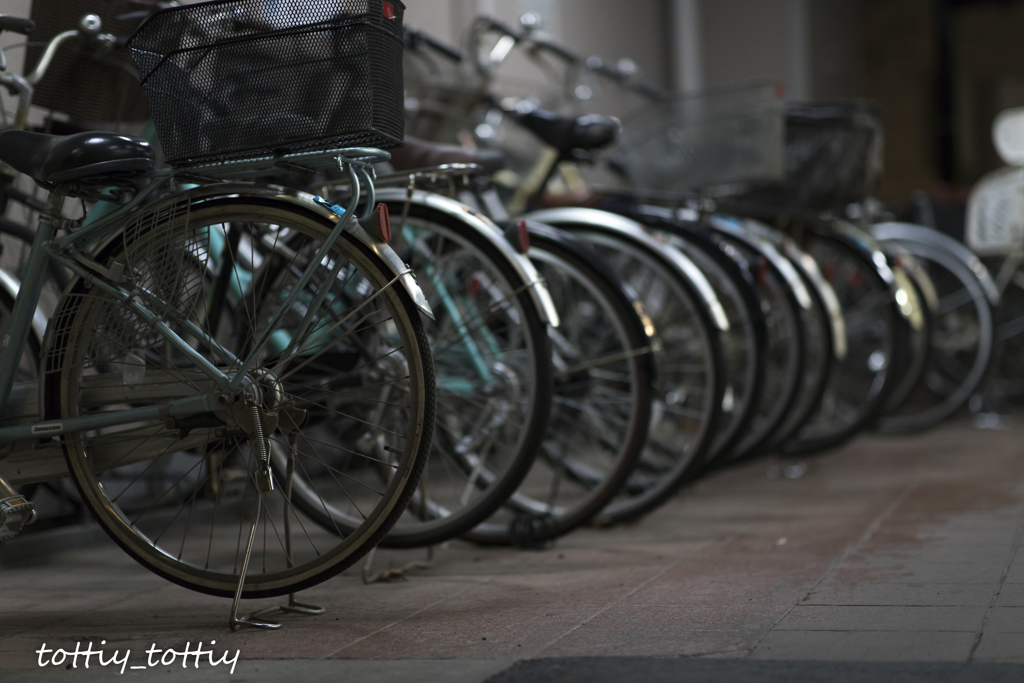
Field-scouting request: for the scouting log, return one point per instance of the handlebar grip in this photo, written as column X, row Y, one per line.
column 17, row 24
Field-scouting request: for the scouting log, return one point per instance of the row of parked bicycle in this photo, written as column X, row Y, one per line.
column 273, row 344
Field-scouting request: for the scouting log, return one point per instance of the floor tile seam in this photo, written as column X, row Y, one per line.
column 999, row 588
column 607, row 607
column 714, row 653
column 869, row 604
column 873, row 630
column 421, row 610
column 868, row 532
column 902, row 562
column 922, row 584
column 663, row 655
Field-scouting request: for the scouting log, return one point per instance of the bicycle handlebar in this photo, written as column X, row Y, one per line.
column 536, row 42
column 599, row 66
column 494, row 24
column 414, row 37
column 562, row 53
column 627, row 80
column 16, row 24
column 89, row 27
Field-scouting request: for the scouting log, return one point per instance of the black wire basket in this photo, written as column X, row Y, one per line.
column 833, row 158
column 237, row 79
column 714, row 141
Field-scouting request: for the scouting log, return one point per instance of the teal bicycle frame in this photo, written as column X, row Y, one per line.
column 356, row 162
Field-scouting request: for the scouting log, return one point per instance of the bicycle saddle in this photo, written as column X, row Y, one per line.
column 54, row 159
column 422, row 154
column 566, row 134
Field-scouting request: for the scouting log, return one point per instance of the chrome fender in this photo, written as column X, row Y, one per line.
column 745, row 231
column 809, row 266
column 632, row 230
column 322, row 208
column 905, row 296
column 492, row 233
column 910, row 232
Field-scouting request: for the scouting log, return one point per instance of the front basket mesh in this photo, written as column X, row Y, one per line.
column 233, row 79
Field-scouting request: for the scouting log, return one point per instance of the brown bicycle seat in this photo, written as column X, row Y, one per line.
column 423, row 154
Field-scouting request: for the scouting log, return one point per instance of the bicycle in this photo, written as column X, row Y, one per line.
column 749, row 130
column 601, row 398
column 490, row 340
column 691, row 383
column 140, row 376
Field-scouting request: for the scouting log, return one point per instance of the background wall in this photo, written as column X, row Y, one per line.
column 940, row 68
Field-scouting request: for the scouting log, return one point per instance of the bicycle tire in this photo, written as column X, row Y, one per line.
column 919, row 344
column 743, row 346
column 595, row 436
column 470, row 258
column 783, row 299
column 960, row 344
column 876, row 339
column 684, row 313
column 168, row 248
column 821, row 329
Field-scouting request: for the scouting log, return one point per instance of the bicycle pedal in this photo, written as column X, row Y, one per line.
column 15, row 513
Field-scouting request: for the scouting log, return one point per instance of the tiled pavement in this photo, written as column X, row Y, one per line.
column 891, row 559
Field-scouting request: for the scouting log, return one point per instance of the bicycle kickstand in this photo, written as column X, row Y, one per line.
column 236, row 622
column 293, row 606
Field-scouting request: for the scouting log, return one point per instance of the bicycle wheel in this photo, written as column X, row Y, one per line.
column 822, row 324
column 688, row 361
column 604, row 377
column 919, row 344
column 783, row 298
column 960, row 343
column 493, row 365
column 876, row 330
column 743, row 344
column 345, row 395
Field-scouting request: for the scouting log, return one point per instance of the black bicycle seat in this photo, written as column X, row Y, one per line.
column 54, row 159
column 566, row 134
column 422, row 154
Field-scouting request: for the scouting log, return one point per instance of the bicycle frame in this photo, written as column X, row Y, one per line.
column 65, row 250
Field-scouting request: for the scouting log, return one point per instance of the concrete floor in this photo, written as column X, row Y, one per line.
column 893, row 559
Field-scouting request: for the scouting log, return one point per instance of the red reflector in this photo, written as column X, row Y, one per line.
column 384, row 222
column 780, row 91
column 474, row 286
column 762, row 271
column 524, row 236
column 389, row 10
